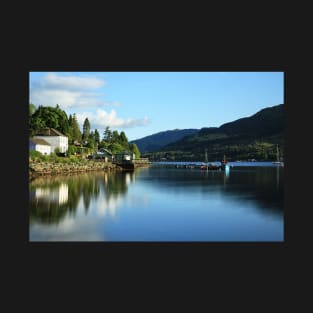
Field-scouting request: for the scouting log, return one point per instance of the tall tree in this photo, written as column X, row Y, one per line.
column 97, row 137
column 70, row 131
column 134, row 149
column 86, row 129
column 74, row 129
column 115, row 137
column 123, row 140
column 63, row 120
column 91, row 140
column 107, row 135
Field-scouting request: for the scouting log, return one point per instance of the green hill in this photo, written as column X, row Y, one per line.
column 156, row 141
column 253, row 137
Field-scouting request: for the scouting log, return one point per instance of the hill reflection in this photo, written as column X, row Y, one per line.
column 262, row 185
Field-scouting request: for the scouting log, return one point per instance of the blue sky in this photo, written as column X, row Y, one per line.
column 144, row 103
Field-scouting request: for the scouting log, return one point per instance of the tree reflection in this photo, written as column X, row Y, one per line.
column 116, row 184
column 52, row 199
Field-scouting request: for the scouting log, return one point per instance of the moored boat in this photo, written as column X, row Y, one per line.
column 210, row 167
column 278, row 162
column 225, row 165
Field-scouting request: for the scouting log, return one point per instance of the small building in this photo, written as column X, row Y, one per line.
column 40, row 145
column 103, row 154
column 55, row 138
column 124, row 156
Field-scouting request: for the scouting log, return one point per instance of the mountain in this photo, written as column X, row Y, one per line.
column 156, row 141
column 266, row 122
column 250, row 137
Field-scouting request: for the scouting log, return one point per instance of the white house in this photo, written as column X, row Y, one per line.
column 40, row 145
column 54, row 138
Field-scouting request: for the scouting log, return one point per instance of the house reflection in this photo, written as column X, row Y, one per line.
column 58, row 195
column 49, row 203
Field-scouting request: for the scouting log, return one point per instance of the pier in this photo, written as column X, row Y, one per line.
column 130, row 165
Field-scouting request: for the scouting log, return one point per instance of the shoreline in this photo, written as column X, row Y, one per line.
column 39, row 169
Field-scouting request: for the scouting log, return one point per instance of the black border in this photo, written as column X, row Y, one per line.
column 263, row 257
column 63, row 38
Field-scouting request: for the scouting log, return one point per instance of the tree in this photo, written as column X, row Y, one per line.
column 97, row 137
column 63, row 120
column 116, row 147
column 74, row 129
column 35, row 125
column 107, row 135
column 115, row 137
column 134, row 149
column 91, row 140
column 52, row 117
column 32, row 109
column 123, row 140
column 70, row 131
column 86, row 129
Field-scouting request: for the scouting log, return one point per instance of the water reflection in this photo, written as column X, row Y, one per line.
column 51, row 200
column 163, row 205
column 115, row 188
column 262, row 185
column 58, row 194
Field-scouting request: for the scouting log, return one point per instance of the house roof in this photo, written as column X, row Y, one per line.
column 38, row 141
column 105, row 150
column 50, row 132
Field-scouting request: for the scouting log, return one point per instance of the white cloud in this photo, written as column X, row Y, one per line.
column 77, row 92
column 67, row 91
column 109, row 103
column 70, row 83
column 102, row 118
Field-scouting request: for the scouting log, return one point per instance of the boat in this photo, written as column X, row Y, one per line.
column 225, row 165
column 278, row 162
column 210, row 167
column 207, row 166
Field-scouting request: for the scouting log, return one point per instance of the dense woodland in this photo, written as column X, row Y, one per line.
column 80, row 141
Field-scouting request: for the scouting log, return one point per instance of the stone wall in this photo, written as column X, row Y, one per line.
column 49, row 168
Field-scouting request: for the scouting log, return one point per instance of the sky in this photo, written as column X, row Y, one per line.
column 145, row 103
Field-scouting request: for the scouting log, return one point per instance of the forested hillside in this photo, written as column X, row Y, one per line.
column 253, row 137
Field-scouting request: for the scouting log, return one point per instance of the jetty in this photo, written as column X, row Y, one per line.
column 130, row 165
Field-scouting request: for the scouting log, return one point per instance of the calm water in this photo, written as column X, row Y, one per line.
column 160, row 204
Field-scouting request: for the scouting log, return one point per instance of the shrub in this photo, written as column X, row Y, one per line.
column 34, row 154
column 71, row 150
column 45, row 158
